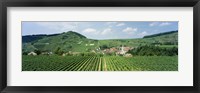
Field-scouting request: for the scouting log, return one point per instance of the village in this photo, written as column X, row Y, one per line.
column 113, row 51
column 120, row 51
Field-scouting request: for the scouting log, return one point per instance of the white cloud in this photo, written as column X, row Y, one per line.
column 153, row 24
column 120, row 24
column 58, row 26
column 130, row 30
column 165, row 24
column 106, row 31
column 89, row 30
column 144, row 33
column 159, row 24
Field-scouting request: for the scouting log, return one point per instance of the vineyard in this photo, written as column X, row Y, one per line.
column 94, row 63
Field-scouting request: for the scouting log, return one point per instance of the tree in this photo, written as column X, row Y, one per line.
column 154, row 51
column 59, row 51
column 38, row 52
column 104, row 47
column 24, row 53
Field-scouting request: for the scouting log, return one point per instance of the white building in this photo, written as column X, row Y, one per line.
column 32, row 53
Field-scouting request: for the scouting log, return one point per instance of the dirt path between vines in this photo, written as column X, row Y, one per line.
column 105, row 67
column 100, row 65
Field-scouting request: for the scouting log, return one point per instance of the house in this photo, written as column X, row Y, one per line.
column 50, row 53
column 113, row 49
column 127, row 48
column 93, row 51
column 123, row 50
column 32, row 53
column 70, row 53
column 91, row 44
column 64, row 54
column 128, row 55
column 47, row 53
column 75, row 53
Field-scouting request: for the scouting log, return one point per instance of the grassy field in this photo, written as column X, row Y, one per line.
column 105, row 63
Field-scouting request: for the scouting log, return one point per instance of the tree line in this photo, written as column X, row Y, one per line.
column 149, row 50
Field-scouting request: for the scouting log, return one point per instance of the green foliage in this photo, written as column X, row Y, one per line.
column 104, row 47
column 38, row 52
column 24, row 53
column 154, row 51
column 100, row 55
column 111, row 54
column 160, row 34
column 88, row 54
column 59, row 51
column 34, row 38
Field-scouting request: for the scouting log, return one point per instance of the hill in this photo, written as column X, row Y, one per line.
column 67, row 41
column 167, row 39
column 30, row 38
column 160, row 34
column 73, row 41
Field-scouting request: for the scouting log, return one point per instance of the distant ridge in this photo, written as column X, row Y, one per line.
column 30, row 38
column 160, row 34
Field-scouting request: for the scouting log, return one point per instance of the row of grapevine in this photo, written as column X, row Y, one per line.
column 93, row 63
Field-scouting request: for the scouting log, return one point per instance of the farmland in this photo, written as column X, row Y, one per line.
column 72, row 51
column 96, row 63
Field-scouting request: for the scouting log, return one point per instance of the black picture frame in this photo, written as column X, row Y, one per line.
column 99, row 3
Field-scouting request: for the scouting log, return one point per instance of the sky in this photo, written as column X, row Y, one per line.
column 100, row 29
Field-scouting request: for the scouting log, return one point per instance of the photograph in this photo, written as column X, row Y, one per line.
column 99, row 45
